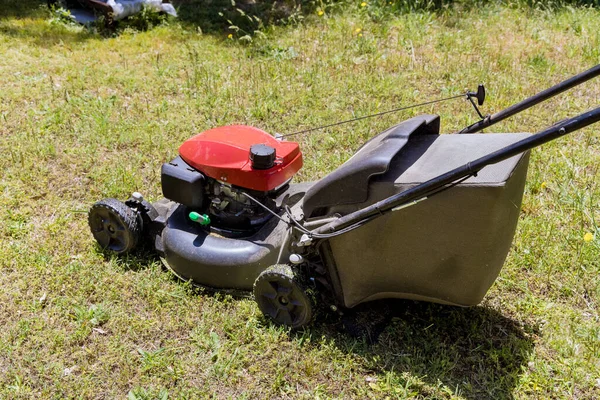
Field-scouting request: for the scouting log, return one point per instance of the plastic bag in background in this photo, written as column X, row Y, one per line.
column 169, row 9
column 125, row 8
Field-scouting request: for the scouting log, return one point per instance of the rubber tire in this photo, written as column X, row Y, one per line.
column 115, row 226
column 282, row 296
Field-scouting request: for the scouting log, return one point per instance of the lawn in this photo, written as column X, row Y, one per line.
column 86, row 115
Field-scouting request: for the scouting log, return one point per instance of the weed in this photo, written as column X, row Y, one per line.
column 151, row 359
column 140, row 393
column 94, row 315
column 146, row 19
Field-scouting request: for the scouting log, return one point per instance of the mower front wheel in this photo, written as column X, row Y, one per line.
column 283, row 296
column 115, row 226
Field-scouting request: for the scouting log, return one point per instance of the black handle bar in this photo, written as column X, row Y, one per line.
column 533, row 100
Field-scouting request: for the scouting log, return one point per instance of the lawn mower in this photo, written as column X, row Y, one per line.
column 412, row 214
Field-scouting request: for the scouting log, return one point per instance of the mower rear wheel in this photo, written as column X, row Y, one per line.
column 115, row 226
column 282, row 295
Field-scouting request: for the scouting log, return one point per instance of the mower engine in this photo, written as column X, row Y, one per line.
column 230, row 176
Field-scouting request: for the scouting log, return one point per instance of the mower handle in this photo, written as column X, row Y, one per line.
column 421, row 191
column 533, row 100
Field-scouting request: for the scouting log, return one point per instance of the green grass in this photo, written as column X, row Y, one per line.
column 85, row 116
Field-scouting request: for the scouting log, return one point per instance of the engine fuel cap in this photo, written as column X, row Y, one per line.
column 262, row 156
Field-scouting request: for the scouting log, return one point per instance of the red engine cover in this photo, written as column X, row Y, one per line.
column 224, row 154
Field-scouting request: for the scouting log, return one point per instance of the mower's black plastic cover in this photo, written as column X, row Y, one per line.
column 448, row 249
column 218, row 262
column 349, row 184
column 182, row 183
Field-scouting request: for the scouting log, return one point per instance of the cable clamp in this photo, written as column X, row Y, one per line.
column 304, row 241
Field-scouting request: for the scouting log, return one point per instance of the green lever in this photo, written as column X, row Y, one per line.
column 202, row 219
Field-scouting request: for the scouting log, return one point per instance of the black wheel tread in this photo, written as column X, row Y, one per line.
column 127, row 217
column 285, row 273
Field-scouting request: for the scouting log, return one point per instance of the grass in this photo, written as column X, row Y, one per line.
column 85, row 116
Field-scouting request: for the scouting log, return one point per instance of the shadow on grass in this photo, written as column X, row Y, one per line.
column 135, row 261
column 476, row 352
column 22, row 8
column 422, row 348
column 37, row 27
column 217, row 16
column 47, row 28
column 245, row 17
